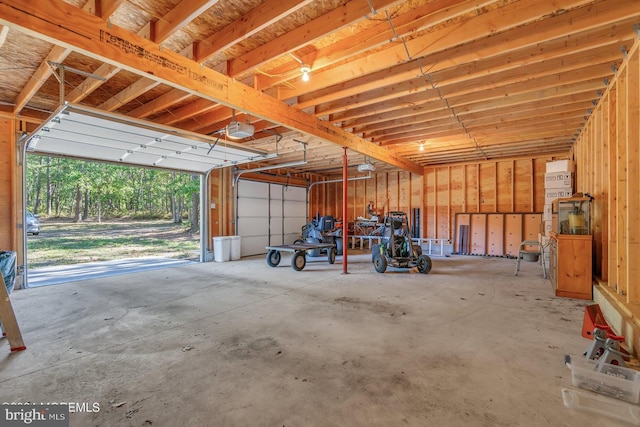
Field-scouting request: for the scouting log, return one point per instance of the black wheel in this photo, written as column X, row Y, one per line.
column 380, row 263
column 331, row 255
column 417, row 249
column 273, row 258
column 299, row 260
column 295, row 242
column 424, row 264
column 375, row 250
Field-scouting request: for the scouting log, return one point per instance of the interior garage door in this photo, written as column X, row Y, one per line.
column 269, row 214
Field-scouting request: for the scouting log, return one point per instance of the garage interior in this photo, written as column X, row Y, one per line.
column 456, row 108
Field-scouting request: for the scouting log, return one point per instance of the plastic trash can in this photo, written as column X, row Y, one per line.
column 235, row 248
column 221, row 248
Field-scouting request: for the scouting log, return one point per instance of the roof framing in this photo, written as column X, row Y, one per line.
column 72, row 28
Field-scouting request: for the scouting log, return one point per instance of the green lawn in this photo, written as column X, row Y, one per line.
column 62, row 243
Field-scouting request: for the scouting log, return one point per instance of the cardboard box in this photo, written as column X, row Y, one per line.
column 560, row 166
column 558, row 180
column 550, row 194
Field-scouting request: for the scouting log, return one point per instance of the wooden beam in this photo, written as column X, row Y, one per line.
column 3, row 34
column 58, row 22
column 333, row 20
column 183, row 13
column 90, row 84
column 141, row 86
column 44, row 71
column 474, row 38
column 106, row 8
column 257, row 19
column 161, row 30
column 162, row 102
column 416, row 20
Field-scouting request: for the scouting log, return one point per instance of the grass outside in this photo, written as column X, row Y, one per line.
column 62, row 242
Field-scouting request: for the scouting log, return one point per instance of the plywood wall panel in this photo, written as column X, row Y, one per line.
column 429, row 196
column 488, row 202
column 443, row 203
column 392, row 191
column 457, row 188
column 404, row 191
column 7, row 155
column 505, row 186
column 472, row 188
column 537, row 195
column 416, row 190
column 522, row 191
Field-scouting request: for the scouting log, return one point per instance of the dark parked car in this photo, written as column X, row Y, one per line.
column 33, row 224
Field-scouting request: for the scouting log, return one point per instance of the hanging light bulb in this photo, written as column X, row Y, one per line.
column 305, row 69
column 421, row 147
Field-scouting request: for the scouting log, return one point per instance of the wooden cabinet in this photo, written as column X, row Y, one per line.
column 570, row 265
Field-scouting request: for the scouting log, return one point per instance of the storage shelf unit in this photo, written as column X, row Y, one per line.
column 570, row 265
column 570, row 248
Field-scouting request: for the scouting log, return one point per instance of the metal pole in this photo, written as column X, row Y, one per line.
column 204, row 215
column 345, row 228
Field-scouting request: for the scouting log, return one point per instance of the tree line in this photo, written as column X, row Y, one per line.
column 70, row 188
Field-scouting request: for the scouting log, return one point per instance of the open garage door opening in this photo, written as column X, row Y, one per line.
column 89, row 218
column 87, row 165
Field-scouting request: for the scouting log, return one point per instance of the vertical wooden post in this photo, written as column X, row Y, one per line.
column 633, row 178
column 8, row 319
column 345, row 165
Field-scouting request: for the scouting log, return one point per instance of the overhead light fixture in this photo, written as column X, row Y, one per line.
column 422, row 147
column 305, row 69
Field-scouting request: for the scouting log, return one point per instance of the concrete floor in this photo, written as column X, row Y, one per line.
column 243, row 344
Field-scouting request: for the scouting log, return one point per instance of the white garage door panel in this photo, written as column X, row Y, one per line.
column 275, row 208
column 276, row 192
column 253, row 189
column 254, row 226
column 250, row 207
column 276, row 228
column 262, row 205
column 296, row 193
column 295, row 209
column 253, row 245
